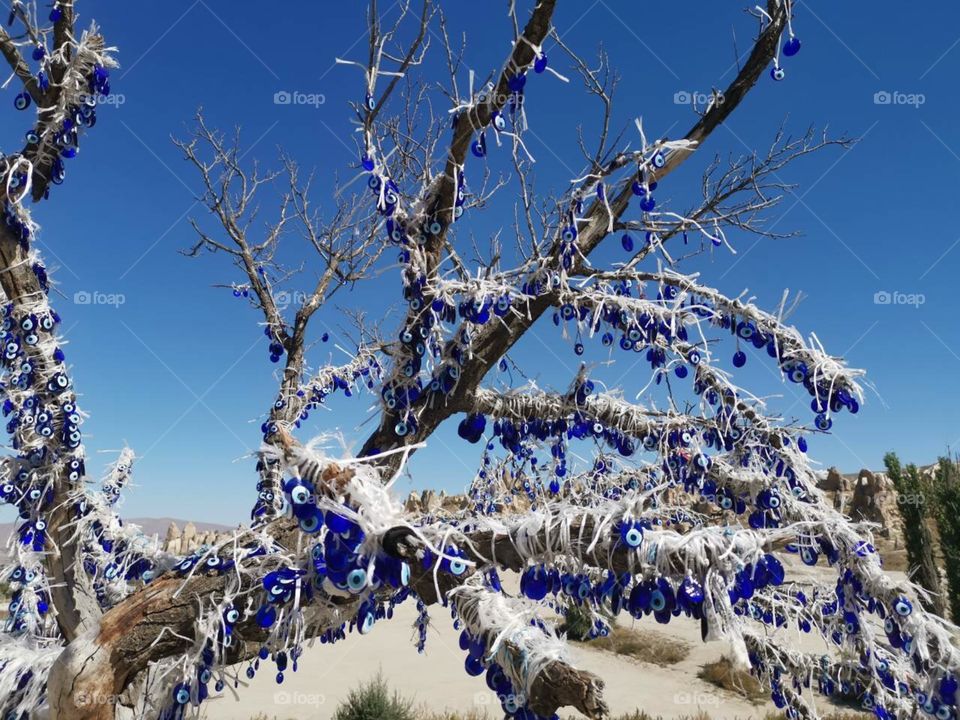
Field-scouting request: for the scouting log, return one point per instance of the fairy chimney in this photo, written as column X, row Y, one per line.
column 189, row 537
column 867, row 500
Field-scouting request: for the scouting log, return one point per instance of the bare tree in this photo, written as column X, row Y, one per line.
column 105, row 624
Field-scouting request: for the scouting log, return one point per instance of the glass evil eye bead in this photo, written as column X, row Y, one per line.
column 22, row 101
column 231, row 616
column 627, row 242
column 357, row 580
column 631, row 533
column 903, row 607
column 181, row 694
column 540, row 64
column 479, row 146
column 777, row 73
column 739, row 359
column 534, row 583
column 517, row 82
column 791, row 47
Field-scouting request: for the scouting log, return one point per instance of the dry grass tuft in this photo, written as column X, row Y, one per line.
column 643, row 645
column 723, row 674
column 828, row 716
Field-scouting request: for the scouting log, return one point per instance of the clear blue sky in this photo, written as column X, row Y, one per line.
column 181, row 372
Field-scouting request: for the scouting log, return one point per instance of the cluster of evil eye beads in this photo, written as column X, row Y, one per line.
column 28, row 600
column 513, row 700
column 480, row 661
column 845, row 607
column 656, row 333
column 684, row 449
column 338, row 567
column 316, row 393
column 405, row 389
column 516, row 84
column 67, row 138
column 790, row 48
column 38, row 407
column 524, row 480
column 615, row 593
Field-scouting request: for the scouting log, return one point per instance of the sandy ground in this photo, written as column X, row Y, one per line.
column 437, row 681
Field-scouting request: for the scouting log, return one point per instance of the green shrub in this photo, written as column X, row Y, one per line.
column 374, row 701
column 577, row 624
column 911, row 503
column 947, row 514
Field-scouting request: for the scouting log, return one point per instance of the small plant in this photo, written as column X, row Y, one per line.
column 725, row 675
column 829, row 716
column 374, row 701
column 451, row 715
column 577, row 624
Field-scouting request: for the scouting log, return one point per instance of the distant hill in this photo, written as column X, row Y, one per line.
column 150, row 526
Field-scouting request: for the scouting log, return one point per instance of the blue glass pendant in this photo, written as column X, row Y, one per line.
column 517, row 82
column 479, row 146
column 791, row 47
